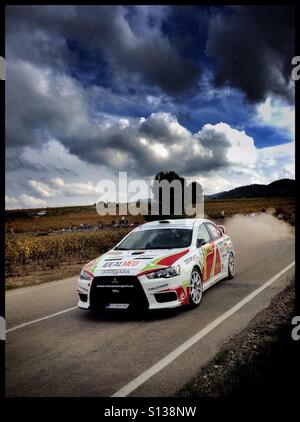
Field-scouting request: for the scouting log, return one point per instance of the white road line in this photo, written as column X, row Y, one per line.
column 149, row 373
column 25, row 324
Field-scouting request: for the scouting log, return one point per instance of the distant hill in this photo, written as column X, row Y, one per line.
column 282, row 187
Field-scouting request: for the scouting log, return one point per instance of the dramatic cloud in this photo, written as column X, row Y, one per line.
column 129, row 41
column 253, row 46
column 61, row 110
column 93, row 90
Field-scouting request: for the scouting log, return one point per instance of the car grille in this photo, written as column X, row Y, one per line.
column 107, row 290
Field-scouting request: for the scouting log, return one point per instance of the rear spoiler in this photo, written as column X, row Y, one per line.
column 222, row 228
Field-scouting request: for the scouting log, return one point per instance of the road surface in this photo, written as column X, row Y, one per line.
column 78, row 353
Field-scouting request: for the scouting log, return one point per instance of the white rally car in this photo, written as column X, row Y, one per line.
column 162, row 264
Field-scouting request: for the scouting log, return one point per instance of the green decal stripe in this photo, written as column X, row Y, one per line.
column 152, row 265
column 185, row 285
column 92, row 269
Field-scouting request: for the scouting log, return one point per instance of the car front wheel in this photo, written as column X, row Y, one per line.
column 196, row 288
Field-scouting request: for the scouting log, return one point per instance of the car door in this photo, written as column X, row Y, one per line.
column 218, row 249
column 205, row 245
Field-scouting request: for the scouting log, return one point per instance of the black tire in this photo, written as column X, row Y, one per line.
column 231, row 266
column 196, row 288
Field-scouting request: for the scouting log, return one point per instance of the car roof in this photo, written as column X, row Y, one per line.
column 180, row 223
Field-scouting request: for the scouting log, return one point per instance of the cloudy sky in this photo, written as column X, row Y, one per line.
column 94, row 90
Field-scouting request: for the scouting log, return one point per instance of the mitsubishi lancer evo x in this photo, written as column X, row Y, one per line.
column 162, row 264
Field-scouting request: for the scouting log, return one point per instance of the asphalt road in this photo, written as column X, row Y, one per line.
column 79, row 353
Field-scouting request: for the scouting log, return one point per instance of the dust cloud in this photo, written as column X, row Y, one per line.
column 257, row 229
column 252, row 235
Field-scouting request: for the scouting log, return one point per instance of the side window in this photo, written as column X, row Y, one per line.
column 214, row 231
column 203, row 234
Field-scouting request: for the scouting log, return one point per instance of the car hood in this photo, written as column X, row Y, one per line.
column 116, row 262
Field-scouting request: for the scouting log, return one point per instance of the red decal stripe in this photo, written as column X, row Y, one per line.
column 165, row 262
column 169, row 260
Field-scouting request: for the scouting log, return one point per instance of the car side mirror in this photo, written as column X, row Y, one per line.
column 200, row 242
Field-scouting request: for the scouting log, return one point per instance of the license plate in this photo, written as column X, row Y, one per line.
column 117, row 306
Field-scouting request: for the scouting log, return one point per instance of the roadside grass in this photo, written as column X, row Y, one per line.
column 43, row 275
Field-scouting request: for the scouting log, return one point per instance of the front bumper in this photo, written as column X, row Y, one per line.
column 139, row 293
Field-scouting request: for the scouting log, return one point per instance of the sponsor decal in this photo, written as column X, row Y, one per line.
column 112, row 264
column 112, row 286
column 190, row 259
column 161, row 286
column 114, row 253
column 127, row 263
column 130, row 263
column 115, row 272
column 117, row 306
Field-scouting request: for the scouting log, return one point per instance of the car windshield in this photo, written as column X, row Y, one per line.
column 157, row 239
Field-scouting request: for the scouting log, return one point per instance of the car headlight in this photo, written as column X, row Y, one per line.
column 165, row 272
column 86, row 276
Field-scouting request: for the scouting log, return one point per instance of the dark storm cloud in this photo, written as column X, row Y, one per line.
column 43, row 105
column 145, row 55
column 253, row 46
column 132, row 60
